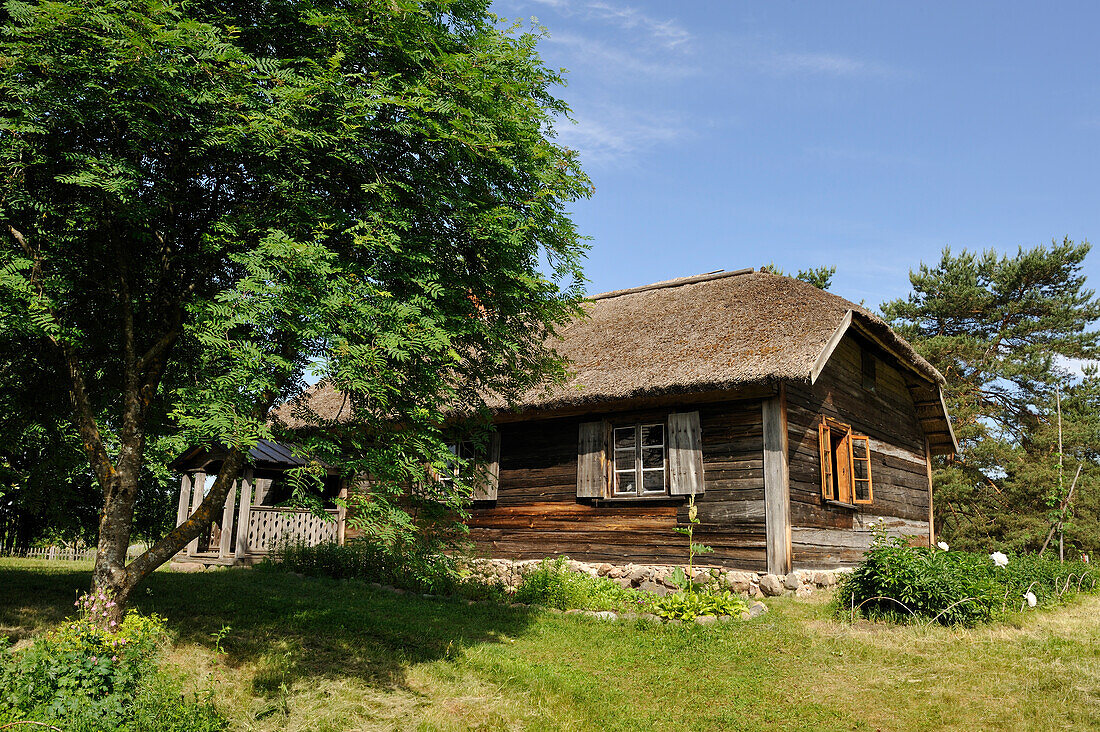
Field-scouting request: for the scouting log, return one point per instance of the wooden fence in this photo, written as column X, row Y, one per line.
column 270, row 527
column 65, row 554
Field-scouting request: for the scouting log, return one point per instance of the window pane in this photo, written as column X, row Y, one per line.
column 653, row 481
column 859, row 470
column 626, row 482
column 863, row 489
column 653, row 457
column 625, row 459
column 859, row 448
column 625, row 437
column 653, row 434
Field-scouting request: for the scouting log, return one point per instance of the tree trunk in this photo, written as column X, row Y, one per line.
column 112, row 576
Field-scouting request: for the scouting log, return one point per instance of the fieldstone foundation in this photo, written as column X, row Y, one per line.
column 655, row 578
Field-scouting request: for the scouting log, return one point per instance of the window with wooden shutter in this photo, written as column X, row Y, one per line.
column 640, row 460
column 845, row 464
column 488, row 480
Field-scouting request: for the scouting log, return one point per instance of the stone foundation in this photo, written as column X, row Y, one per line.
column 655, row 578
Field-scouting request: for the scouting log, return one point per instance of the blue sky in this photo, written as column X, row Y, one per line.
column 868, row 135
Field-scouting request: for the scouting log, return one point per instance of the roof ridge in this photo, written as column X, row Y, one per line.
column 716, row 275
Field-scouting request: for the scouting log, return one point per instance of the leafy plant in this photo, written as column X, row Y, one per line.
column 553, row 585
column 693, row 547
column 85, row 676
column 908, row 584
column 690, row 605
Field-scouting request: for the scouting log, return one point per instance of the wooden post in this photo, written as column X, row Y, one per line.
column 241, row 549
column 198, row 489
column 341, row 514
column 185, row 499
column 931, row 515
column 777, row 494
column 225, row 546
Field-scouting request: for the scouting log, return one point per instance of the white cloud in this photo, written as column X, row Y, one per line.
column 613, row 60
column 667, row 33
column 614, row 135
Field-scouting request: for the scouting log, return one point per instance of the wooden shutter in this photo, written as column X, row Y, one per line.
column 685, row 454
column 592, row 462
column 486, row 487
column 825, row 447
column 861, row 470
column 844, row 469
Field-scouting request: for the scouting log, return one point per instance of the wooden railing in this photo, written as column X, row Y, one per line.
column 270, row 527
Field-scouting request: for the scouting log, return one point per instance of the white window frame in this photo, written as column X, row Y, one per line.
column 638, row 469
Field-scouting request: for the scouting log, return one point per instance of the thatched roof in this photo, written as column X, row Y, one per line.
column 714, row 332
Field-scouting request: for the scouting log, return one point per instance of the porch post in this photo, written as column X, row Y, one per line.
column 243, row 515
column 341, row 513
column 225, row 546
column 198, row 488
column 185, row 499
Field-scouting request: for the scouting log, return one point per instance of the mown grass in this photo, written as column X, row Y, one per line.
column 318, row 654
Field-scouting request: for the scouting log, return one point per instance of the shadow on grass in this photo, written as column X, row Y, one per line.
column 291, row 628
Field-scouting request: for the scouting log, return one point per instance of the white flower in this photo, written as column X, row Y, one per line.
column 999, row 559
column 871, row 525
column 943, row 545
column 1032, row 601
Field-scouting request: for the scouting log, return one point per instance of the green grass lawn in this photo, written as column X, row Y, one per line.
column 316, row 654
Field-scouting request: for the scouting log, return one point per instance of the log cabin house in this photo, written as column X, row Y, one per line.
column 797, row 419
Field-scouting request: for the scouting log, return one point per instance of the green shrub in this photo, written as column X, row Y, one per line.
column 690, row 604
column 552, row 585
column 907, row 584
column 86, row 677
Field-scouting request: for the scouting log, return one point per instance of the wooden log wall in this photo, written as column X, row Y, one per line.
column 825, row 535
column 537, row 513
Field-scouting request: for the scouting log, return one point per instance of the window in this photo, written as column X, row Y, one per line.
column 845, row 464
column 640, row 460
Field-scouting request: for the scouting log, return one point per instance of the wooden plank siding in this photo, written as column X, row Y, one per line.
column 825, row 535
column 538, row 514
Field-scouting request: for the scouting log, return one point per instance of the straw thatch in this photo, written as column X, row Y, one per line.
column 713, row 332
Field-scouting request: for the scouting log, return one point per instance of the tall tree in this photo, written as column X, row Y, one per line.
column 1000, row 329
column 202, row 200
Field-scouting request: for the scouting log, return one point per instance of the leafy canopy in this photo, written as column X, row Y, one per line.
column 202, row 202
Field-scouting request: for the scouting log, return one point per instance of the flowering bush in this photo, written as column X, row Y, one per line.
column 87, row 676
column 900, row 582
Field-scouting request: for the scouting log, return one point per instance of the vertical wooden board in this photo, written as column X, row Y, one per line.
column 931, row 513
column 486, row 489
column 592, row 460
column 777, row 500
column 185, row 499
column 342, row 514
column 685, row 454
column 844, row 470
column 198, row 486
column 225, row 543
column 244, row 518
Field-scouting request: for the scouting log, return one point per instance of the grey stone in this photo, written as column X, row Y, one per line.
column 604, row 569
column 755, row 591
column 724, row 618
column 770, row 585
column 574, row 611
column 804, row 591
column 757, row 609
column 792, row 582
column 650, row 617
column 186, row 567
column 602, row 614
column 637, row 575
column 745, row 615
column 824, row 579
column 653, row 587
column 706, row 620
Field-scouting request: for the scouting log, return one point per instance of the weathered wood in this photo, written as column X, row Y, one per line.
column 685, row 454
column 198, row 490
column 185, row 499
column 225, row 540
column 486, row 489
column 777, row 506
column 830, row 347
column 243, row 514
column 592, row 460
column 931, row 512
column 269, row 528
